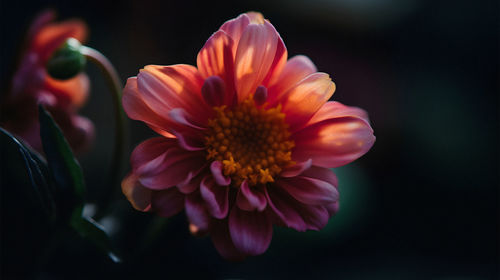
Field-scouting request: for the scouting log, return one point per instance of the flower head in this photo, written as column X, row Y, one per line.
column 32, row 85
column 247, row 139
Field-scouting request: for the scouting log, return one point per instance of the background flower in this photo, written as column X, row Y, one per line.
column 32, row 85
column 248, row 138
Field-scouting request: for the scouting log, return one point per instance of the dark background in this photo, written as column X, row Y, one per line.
column 422, row 204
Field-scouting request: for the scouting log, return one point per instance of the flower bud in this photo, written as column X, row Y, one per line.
column 67, row 61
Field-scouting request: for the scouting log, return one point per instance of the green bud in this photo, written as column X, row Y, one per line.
column 67, row 61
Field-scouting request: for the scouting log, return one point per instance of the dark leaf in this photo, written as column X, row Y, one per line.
column 66, row 171
column 91, row 230
column 27, row 207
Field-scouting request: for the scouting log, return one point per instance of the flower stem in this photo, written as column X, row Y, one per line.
column 115, row 85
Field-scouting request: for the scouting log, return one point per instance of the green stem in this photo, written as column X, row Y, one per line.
column 115, row 85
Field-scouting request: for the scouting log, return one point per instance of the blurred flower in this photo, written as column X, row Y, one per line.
column 32, row 85
column 247, row 139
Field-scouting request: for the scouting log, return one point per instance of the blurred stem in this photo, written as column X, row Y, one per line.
column 115, row 86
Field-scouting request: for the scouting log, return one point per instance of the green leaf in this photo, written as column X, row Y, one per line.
column 66, row 172
column 92, row 231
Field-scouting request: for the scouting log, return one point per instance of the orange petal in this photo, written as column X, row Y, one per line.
column 333, row 142
column 75, row 90
column 216, row 59
column 52, row 35
column 334, row 109
column 302, row 101
column 167, row 87
column 234, row 28
column 139, row 196
column 296, row 69
column 254, row 57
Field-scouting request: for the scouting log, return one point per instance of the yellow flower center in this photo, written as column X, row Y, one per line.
column 252, row 143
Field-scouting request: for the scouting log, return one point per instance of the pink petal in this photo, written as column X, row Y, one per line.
column 190, row 186
column 332, row 208
column 278, row 64
column 178, row 166
column 214, row 92
column 196, row 212
column 167, row 87
column 296, row 69
column 251, row 232
column 220, row 179
column 139, row 196
column 250, row 198
column 334, row 109
column 235, row 27
column 148, row 155
column 216, row 59
column 167, row 203
column 324, row 174
column 137, row 109
column 222, row 241
column 254, row 57
column 216, row 197
column 302, row 101
column 310, row 191
column 295, row 214
column 333, row 142
column 296, row 169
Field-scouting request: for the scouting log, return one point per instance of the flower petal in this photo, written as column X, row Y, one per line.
column 250, row 198
column 334, row 109
column 222, row 240
column 312, row 191
column 72, row 92
column 251, row 232
column 146, row 152
column 235, row 27
column 216, row 197
column 196, row 212
column 296, row 169
column 137, row 109
column 296, row 69
column 302, row 101
column 216, row 59
column 333, row 142
column 139, row 196
column 295, row 214
column 167, row 203
column 254, row 57
column 164, row 88
column 220, row 179
column 174, row 167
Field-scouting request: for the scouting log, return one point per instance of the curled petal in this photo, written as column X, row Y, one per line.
column 251, row 231
column 214, row 91
column 296, row 69
column 250, row 198
column 295, row 214
column 167, row 202
column 333, row 142
column 175, row 166
column 144, row 158
column 216, row 197
column 334, row 109
column 216, row 59
column 302, row 101
column 312, row 191
column 254, row 57
column 190, row 186
column 139, row 196
column 196, row 212
column 73, row 91
column 235, row 27
column 220, row 179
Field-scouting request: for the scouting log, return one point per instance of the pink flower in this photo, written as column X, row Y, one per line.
column 247, row 139
column 32, row 85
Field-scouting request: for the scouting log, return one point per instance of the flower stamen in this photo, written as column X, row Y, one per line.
column 251, row 142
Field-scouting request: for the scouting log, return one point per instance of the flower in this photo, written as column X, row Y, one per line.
column 32, row 85
column 247, row 139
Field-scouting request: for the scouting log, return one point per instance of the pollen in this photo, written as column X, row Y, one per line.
column 252, row 143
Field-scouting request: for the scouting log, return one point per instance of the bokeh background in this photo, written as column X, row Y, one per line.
column 422, row 204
